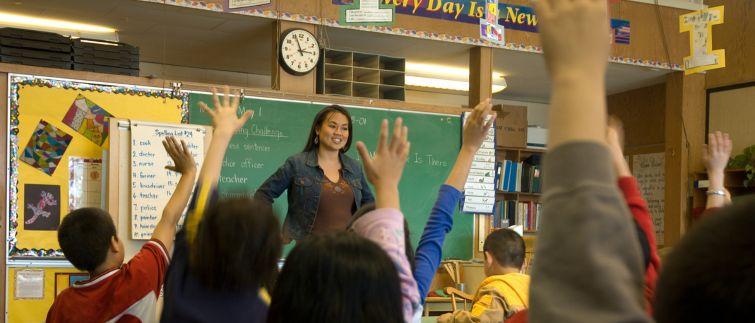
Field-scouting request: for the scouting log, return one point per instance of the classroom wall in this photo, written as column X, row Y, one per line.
column 650, row 24
column 537, row 113
column 201, row 75
column 643, row 113
column 737, row 36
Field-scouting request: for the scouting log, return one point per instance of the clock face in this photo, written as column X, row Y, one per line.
column 299, row 51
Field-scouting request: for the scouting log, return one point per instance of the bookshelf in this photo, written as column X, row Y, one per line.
column 516, row 195
column 361, row 75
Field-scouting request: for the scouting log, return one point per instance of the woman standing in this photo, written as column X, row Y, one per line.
column 324, row 185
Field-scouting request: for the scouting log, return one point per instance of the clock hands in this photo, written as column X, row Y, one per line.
column 299, row 45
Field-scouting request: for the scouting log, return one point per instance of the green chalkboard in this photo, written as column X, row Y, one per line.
column 279, row 129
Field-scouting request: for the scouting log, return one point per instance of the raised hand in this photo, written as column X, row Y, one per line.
column 477, row 126
column 183, row 161
column 717, row 152
column 385, row 169
column 615, row 141
column 575, row 36
column 225, row 117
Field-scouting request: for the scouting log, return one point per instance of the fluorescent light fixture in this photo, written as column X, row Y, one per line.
column 65, row 27
column 445, row 77
column 420, row 81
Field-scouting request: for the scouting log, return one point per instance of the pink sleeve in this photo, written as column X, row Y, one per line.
column 386, row 228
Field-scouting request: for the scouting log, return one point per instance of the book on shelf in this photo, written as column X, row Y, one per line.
column 514, row 176
column 512, row 212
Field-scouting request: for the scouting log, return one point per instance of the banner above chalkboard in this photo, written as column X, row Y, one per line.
column 512, row 16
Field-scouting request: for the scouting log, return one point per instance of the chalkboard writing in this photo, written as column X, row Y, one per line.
column 279, row 129
column 152, row 184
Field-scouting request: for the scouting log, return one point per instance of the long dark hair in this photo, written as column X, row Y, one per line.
column 237, row 246
column 340, row 277
column 408, row 248
column 317, row 124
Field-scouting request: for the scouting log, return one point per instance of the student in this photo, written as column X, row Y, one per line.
column 325, row 186
column 716, row 156
column 340, row 289
column 430, row 247
column 226, row 255
column 589, row 265
column 708, row 277
column 505, row 291
column 337, row 277
column 429, row 250
column 638, row 207
column 118, row 292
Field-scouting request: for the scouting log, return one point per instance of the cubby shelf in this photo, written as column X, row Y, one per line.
column 363, row 75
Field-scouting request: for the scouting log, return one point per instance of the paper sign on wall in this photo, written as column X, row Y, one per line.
column 30, row 284
column 649, row 169
column 699, row 24
column 490, row 30
column 479, row 194
column 152, row 184
column 367, row 12
column 236, row 4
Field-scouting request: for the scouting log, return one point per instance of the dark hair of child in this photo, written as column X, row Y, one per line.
column 506, row 246
column 710, row 274
column 339, row 277
column 237, row 246
column 85, row 235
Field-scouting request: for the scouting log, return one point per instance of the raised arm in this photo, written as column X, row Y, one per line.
column 225, row 122
column 183, row 163
column 430, row 247
column 637, row 206
column 588, row 267
column 716, row 156
column 385, row 225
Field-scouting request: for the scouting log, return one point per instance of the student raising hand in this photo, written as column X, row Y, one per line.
column 224, row 116
column 225, row 122
column 385, row 169
column 715, row 157
column 184, row 164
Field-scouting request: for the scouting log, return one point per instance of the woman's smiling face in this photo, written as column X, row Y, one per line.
column 334, row 131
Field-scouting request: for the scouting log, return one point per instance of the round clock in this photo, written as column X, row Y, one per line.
column 299, row 51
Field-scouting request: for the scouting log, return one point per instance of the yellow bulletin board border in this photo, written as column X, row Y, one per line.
column 16, row 81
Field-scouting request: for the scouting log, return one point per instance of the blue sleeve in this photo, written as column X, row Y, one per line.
column 430, row 247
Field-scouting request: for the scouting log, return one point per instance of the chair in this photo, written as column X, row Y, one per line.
column 454, row 293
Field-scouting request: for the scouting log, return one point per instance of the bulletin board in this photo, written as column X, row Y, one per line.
column 58, row 129
column 30, row 308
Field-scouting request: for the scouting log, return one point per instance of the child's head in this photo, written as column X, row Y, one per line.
column 504, row 251
column 408, row 249
column 710, row 275
column 237, row 246
column 88, row 239
column 340, row 277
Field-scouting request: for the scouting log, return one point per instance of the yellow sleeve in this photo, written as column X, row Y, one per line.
column 488, row 308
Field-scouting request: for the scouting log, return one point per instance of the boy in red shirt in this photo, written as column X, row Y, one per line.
column 120, row 292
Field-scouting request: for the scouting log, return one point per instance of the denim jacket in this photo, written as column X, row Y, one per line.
column 302, row 176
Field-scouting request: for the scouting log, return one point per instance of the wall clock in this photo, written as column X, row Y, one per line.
column 299, row 51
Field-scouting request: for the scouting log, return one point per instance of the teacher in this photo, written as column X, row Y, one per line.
column 325, row 187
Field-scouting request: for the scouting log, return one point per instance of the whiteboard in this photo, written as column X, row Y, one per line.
column 151, row 184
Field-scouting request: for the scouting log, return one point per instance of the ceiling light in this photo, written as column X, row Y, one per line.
column 420, row 81
column 65, row 27
column 445, row 77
